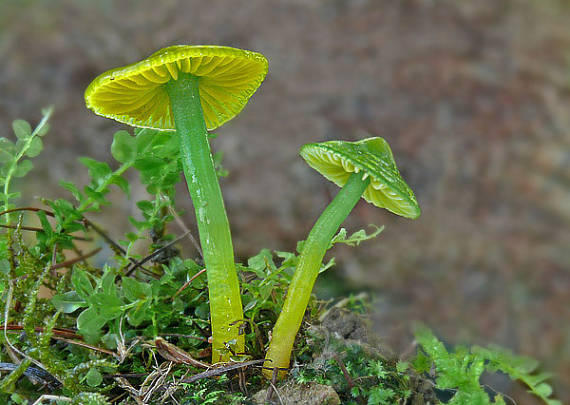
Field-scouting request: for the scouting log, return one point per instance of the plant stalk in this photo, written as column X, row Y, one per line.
column 223, row 286
column 20, row 155
column 310, row 261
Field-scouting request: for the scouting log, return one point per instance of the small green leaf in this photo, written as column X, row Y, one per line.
column 124, row 147
column 23, row 168
column 97, row 170
column 422, row 363
column 402, row 366
column 43, row 127
column 261, row 261
column 150, row 163
column 82, row 284
column 46, row 226
column 7, row 150
column 72, row 188
column 140, row 313
column 108, row 306
column 107, row 282
column 380, row 396
column 543, row 390
column 357, row 237
column 35, row 147
column 170, row 179
column 43, row 130
column 97, row 198
column 68, row 302
column 202, row 311
column 13, row 196
column 122, row 183
column 22, row 129
column 145, row 206
column 144, row 138
column 93, row 377
column 165, row 146
column 355, row 392
column 89, row 324
column 131, row 236
column 328, row 265
column 135, row 290
column 110, row 340
column 250, row 305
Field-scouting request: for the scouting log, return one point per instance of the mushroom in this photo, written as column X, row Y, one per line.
column 191, row 89
column 363, row 169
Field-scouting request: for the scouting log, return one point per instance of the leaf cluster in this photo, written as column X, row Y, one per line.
column 99, row 303
column 459, row 371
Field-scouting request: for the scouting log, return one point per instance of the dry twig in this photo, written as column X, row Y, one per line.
column 213, row 372
column 153, row 254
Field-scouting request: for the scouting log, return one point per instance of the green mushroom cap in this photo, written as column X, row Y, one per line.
column 338, row 160
column 136, row 95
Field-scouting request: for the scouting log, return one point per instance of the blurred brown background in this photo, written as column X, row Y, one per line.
column 473, row 96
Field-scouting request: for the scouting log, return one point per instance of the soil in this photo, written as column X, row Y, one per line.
column 345, row 328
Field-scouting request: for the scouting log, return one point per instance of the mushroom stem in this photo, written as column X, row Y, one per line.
column 299, row 292
column 213, row 226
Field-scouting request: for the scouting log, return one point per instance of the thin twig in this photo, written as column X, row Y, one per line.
column 220, row 370
column 110, row 241
column 186, row 336
column 272, row 387
column 347, row 376
column 153, row 254
column 125, row 375
column 53, row 261
column 156, row 382
column 71, row 262
column 176, row 355
column 183, row 226
column 79, row 253
column 51, row 398
column 186, row 284
column 36, row 229
column 65, row 333
column 242, row 380
column 276, row 392
column 115, row 400
column 34, row 209
column 511, row 399
column 86, row 345
column 85, row 220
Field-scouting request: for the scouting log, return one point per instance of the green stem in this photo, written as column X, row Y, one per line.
column 310, row 261
column 225, row 300
column 17, row 158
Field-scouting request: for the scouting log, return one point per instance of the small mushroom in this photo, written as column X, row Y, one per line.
column 363, row 169
column 191, row 89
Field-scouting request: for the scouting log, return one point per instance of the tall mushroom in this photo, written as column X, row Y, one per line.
column 191, row 89
column 363, row 169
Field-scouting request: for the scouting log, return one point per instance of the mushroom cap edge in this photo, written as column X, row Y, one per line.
column 337, row 160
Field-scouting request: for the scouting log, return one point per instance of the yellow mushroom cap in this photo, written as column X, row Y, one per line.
column 338, row 160
column 135, row 94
